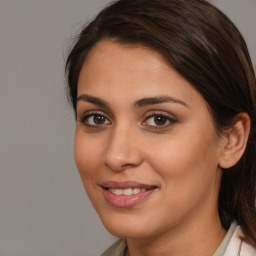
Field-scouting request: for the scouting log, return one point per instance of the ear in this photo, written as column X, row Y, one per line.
column 236, row 142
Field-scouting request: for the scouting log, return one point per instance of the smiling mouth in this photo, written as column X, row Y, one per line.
column 127, row 196
column 126, row 191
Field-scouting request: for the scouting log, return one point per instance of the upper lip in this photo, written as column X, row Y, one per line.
column 126, row 184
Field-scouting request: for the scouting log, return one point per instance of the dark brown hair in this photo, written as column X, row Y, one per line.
column 204, row 46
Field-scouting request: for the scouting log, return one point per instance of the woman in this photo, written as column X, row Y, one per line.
column 165, row 99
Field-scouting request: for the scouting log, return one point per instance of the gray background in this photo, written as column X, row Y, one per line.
column 43, row 207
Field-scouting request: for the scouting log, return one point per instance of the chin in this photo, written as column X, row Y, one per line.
column 126, row 227
column 127, row 232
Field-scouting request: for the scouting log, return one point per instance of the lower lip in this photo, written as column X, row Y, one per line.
column 123, row 201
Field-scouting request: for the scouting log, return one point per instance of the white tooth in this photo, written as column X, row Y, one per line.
column 117, row 191
column 127, row 191
column 135, row 191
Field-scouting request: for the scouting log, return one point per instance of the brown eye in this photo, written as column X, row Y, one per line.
column 160, row 120
column 95, row 120
column 99, row 119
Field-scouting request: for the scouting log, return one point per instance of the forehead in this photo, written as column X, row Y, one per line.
column 123, row 71
column 109, row 54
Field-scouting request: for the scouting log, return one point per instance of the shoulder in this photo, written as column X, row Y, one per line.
column 238, row 247
column 117, row 249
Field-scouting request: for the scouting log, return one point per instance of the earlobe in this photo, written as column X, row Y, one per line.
column 236, row 142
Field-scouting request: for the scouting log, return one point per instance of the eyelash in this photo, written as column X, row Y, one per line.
column 84, row 120
column 160, row 114
column 85, row 117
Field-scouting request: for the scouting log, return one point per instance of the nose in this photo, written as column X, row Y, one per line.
column 122, row 151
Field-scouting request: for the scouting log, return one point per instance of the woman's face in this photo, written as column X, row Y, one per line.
column 145, row 144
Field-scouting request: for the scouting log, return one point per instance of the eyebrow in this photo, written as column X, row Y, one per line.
column 93, row 100
column 158, row 100
column 139, row 103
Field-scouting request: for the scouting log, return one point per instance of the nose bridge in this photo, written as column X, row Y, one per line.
column 122, row 150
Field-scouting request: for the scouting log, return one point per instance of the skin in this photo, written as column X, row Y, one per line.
column 179, row 155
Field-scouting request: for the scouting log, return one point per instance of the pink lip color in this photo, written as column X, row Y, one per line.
column 123, row 201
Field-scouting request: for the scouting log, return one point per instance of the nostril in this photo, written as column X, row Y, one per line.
column 119, row 160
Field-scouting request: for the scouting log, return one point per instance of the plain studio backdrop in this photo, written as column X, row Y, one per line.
column 44, row 210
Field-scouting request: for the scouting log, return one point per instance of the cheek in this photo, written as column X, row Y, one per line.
column 189, row 174
column 186, row 160
column 86, row 155
column 87, row 158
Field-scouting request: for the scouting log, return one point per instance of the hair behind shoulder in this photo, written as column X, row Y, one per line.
column 205, row 47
